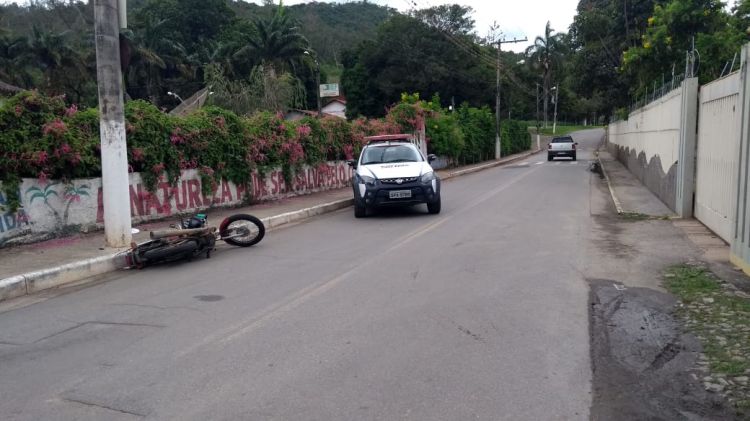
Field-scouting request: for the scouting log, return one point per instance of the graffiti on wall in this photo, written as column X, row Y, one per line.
column 187, row 195
column 12, row 223
column 48, row 208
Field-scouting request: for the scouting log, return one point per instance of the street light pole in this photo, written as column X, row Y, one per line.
column 538, row 145
column 170, row 93
column 317, row 80
column 115, row 181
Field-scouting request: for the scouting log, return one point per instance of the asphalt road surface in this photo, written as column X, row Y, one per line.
column 479, row 312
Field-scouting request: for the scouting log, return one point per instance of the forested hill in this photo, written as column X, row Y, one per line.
column 330, row 27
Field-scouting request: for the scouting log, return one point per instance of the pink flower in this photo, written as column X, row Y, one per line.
column 349, row 151
column 176, row 138
column 41, row 157
column 18, row 110
column 71, row 111
column 208, row 171
column 55, row 128
column 42, row 176
column 138, row 154
column 158, row 168
column 304, row 130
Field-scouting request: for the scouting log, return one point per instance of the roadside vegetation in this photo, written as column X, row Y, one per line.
column 719, row 315
column 43, row 137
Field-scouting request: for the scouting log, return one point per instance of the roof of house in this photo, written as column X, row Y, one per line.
column 340, row 99
column 7, row 87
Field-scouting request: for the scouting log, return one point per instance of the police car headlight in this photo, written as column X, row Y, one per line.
column 367, row 180
column 427, row 177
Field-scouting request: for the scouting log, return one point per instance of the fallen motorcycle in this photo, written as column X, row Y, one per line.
column 193, row 237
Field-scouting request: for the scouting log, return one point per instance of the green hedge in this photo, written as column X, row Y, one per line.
column 42, row 137
column 468, row 136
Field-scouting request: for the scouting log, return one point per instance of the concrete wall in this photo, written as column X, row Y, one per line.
column 740, row 251
column 648, row 144
column 53, row 208
column 718, row 154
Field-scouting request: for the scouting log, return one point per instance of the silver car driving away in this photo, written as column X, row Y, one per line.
column 562, row 146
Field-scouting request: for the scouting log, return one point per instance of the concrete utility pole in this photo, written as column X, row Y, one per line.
column 498, row 148
column 115, row 183
column 538, row 145
column 554, row 122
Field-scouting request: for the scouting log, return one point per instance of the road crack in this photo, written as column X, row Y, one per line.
column 108, row 408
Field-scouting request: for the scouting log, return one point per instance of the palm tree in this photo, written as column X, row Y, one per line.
column 152, row 52
column 277, row 43
column 546, row 52
column 54, row 55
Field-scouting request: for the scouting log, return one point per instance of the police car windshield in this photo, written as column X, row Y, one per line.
column 390, row 153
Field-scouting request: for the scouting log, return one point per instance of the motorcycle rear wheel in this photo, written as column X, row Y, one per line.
column 242, row 230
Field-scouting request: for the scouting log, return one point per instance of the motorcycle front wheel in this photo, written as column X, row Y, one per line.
column 242, row 230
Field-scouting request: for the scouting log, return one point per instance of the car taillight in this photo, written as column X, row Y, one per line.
column 574, row 146
column 549, row 146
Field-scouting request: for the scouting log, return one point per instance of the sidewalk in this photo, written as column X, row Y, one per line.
column 635, row 201
column 30, row 268
column 628, row 193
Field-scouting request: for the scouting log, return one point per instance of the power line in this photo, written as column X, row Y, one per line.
column 482, row 56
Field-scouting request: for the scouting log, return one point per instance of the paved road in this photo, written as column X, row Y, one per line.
column 477, row 313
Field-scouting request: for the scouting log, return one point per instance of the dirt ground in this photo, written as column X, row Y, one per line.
column 644, row 358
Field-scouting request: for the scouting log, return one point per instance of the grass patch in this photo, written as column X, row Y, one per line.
column 634, row 216
column 719, row 316
column 690, row 283
column 563, row 130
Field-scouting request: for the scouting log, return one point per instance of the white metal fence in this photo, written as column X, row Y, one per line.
column 718, row 154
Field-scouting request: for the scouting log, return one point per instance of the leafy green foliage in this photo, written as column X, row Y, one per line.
column 409, row 56
column 670, row 33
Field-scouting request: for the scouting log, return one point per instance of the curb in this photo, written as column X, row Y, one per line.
column 40, row 280
column 294, row 216
column 32, row 282
column 618, row 205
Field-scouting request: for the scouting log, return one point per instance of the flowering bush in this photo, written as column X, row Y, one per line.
column 43, row 138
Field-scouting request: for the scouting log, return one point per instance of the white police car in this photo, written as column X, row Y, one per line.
column 391, row 171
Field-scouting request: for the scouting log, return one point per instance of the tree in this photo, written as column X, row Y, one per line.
column 546, row 54
column 60, row 63
column 277, row 43
column 453, row 19
column 673, row 29
column 410, row 56
column 153, row 53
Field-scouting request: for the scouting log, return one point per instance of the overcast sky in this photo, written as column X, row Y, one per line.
column 516, row 18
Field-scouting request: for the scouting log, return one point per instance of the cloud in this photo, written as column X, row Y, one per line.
column 517, row 19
